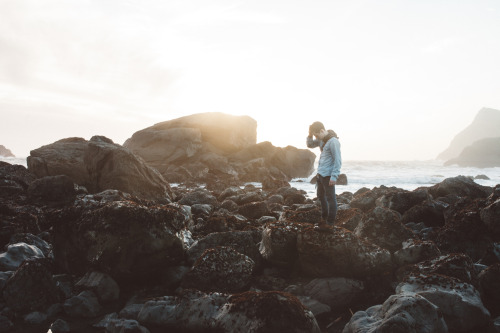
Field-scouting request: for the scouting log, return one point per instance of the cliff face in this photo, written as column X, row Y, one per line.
column 485, row 125
column 484, row 153
column 5, row 152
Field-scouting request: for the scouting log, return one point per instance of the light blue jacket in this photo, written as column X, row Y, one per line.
column 330, row 160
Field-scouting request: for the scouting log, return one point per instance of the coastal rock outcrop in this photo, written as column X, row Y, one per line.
column 484, row 153
column 128, row 239
column 207, row 146
column 5, row 152
column 486, row 124
column 221, row 269
column 399, row 313
column 459, row 302
column 339, row 252
column 98, row 165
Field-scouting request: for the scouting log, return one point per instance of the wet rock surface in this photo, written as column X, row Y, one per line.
column 227, row 258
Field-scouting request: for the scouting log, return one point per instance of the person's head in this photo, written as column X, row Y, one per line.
column 317, row 129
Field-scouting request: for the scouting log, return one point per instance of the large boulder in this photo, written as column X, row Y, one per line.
column 456, row 265
column 221, row 269
column 225, row 132
column 459, row 302
column 126, row 239
column 414, row 251
column 399, row 313
column 99, row 164
column 490, row 216
column 383, row 227
column 14, row 179
column 339, row 252
column 241, row 241
column 31, row 287
column 489, row 280
column 337, row 292
column 464, row 231
column 401, row 201
column 291, row 161
column 16, row 254
column 268, row 311
column 191, row 311
column 279, row 242
column 161, row 147
column 53, row 189
column 461, row 186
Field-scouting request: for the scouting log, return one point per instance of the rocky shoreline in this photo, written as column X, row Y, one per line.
column 229, row 259
column 96, row 239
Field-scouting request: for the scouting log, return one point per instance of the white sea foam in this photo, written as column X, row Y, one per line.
column 14, row 160
column 407, row 175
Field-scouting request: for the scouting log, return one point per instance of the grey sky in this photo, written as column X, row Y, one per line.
column 395, row 79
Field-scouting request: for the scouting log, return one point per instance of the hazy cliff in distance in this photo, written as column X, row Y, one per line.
column 5, row 152
column 485, row 125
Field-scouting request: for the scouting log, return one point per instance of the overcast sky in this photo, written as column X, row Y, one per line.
column 395, row 79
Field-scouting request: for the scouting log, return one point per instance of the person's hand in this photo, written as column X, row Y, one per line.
column 332, row 182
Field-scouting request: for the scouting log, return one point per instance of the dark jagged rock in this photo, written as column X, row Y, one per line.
column 430, row 212
column 459, row 302
column 101, row 284
column 221, row 269
column 401, row 201
column 53, row 189
column 83, row 305
column 31, row 287
column 293, row 162
column 254, row 210
column 308, row 214
column 98, row 165
column 127, row 239
column 269, row 311
column 241, row 241
column 279, row 242
column 15, row 219
column 339, row 252
column 14, row 179
column 349, row 218
column 199, row 196
column 383, row 227
column 461, row 186
column 489, row 280
column 414, row 251
column 399, row 313
column 190, row 311
column 457, row 265
column 490, row 215
column 366, row 199
column 338, row 293
column 463, row 230
column 30, row 239
column 16, row 254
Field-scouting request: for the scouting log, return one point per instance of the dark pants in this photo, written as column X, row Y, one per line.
column 327, row 198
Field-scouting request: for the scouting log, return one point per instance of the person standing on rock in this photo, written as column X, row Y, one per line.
column 330, row 162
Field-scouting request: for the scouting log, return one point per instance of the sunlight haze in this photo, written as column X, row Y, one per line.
column 397, row 80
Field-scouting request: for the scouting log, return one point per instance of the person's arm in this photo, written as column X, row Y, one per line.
column 334, row 148
column 311, row 143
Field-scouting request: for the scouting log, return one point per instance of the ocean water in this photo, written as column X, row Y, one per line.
column 407, row 175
